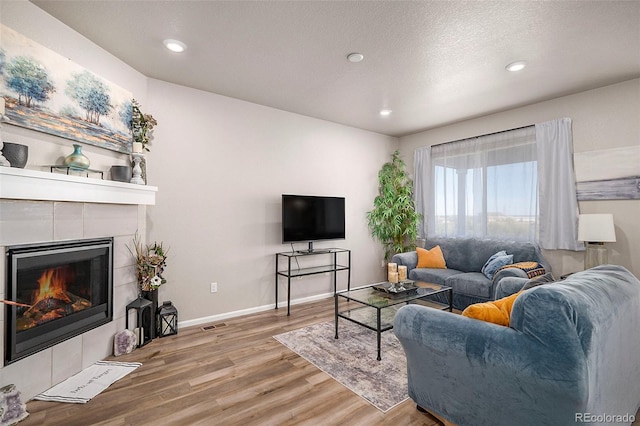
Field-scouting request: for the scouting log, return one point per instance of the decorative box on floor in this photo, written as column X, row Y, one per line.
column 167, row 320
column 144, row 315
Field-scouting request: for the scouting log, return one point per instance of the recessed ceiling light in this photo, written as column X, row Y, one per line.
column 355, row 57
column 516, row 66
column 175, row 45
column 385, row 112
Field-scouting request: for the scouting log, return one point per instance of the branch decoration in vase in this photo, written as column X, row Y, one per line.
column 151, row 259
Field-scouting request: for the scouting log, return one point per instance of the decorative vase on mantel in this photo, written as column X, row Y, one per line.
column 77, row 160
column 16, row 154
column 151, row 295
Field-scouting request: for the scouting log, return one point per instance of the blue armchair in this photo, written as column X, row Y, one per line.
column 571, row 351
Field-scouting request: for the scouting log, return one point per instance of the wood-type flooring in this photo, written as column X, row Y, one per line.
column 233, row 374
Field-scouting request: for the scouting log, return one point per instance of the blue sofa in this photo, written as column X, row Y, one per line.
column 465, row 258
column 571, row 350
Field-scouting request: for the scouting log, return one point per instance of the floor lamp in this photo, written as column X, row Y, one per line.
column 595, row 230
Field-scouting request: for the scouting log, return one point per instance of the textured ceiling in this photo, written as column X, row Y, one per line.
column 431, row 62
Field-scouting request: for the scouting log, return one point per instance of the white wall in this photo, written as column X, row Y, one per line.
column 608, row 117
column 221, row 165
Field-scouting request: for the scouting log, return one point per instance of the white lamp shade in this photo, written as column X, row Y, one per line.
column 596, row 228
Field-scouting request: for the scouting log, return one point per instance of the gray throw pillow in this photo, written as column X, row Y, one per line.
column 496, row 262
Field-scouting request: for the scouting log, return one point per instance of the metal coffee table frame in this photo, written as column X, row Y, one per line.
column 375, row 309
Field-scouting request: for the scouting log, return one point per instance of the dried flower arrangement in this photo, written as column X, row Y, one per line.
column 150, row 263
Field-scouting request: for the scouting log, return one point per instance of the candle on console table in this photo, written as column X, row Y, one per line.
column 137, row 147
column 402, row 273
column 392, row 268
column 392, row 277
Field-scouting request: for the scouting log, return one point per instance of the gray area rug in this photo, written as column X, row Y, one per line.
column 351, row 360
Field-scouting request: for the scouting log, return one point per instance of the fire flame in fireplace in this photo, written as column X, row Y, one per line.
column 52, row 299
column 53, row 284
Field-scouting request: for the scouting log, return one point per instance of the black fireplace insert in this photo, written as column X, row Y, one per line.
column 56, row 291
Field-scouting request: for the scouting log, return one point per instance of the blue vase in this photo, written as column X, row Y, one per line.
column 77, row 160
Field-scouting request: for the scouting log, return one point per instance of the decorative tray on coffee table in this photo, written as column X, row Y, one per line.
column 397, row 288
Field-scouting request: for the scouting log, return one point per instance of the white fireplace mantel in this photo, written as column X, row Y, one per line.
column 23, row 184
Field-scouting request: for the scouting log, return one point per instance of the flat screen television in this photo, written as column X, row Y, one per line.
column 308, row 218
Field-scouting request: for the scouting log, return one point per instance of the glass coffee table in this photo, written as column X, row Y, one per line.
column 374, row 307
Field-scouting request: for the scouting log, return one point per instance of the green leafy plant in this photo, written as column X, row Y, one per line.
column 141, row 125
column 394, row 220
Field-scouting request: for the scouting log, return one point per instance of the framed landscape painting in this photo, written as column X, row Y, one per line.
column 46, row 92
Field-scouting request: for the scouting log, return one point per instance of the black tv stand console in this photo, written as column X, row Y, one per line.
column 301, row 272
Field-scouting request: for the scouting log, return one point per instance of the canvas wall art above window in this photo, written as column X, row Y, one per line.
column 46, row 92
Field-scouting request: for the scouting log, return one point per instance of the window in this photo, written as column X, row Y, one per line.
column 485, row 187
column 515, row 185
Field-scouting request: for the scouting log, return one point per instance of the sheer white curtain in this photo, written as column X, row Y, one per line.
column 515, row 185
column 558, row 227
column 480, row 187
column 422, row 186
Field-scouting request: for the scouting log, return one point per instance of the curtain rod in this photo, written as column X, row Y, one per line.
column 487, row 134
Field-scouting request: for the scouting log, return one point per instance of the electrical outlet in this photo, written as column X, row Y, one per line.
column 214, row 287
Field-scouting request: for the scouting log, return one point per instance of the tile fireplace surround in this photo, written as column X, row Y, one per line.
column 38, row 207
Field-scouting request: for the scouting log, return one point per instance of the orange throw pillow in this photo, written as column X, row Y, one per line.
column 431, row 258
column 497, row 312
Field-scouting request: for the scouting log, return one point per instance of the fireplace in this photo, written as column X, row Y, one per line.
column 56, row 291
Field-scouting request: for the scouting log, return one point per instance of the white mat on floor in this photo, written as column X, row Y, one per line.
column 79, row 389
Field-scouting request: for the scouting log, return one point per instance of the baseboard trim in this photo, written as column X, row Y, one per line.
column 232, row 314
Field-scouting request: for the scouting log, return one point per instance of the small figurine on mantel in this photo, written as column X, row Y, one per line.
column 3, row 161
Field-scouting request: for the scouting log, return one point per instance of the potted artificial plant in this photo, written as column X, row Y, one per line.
column 141, row 127
column 393, row 220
